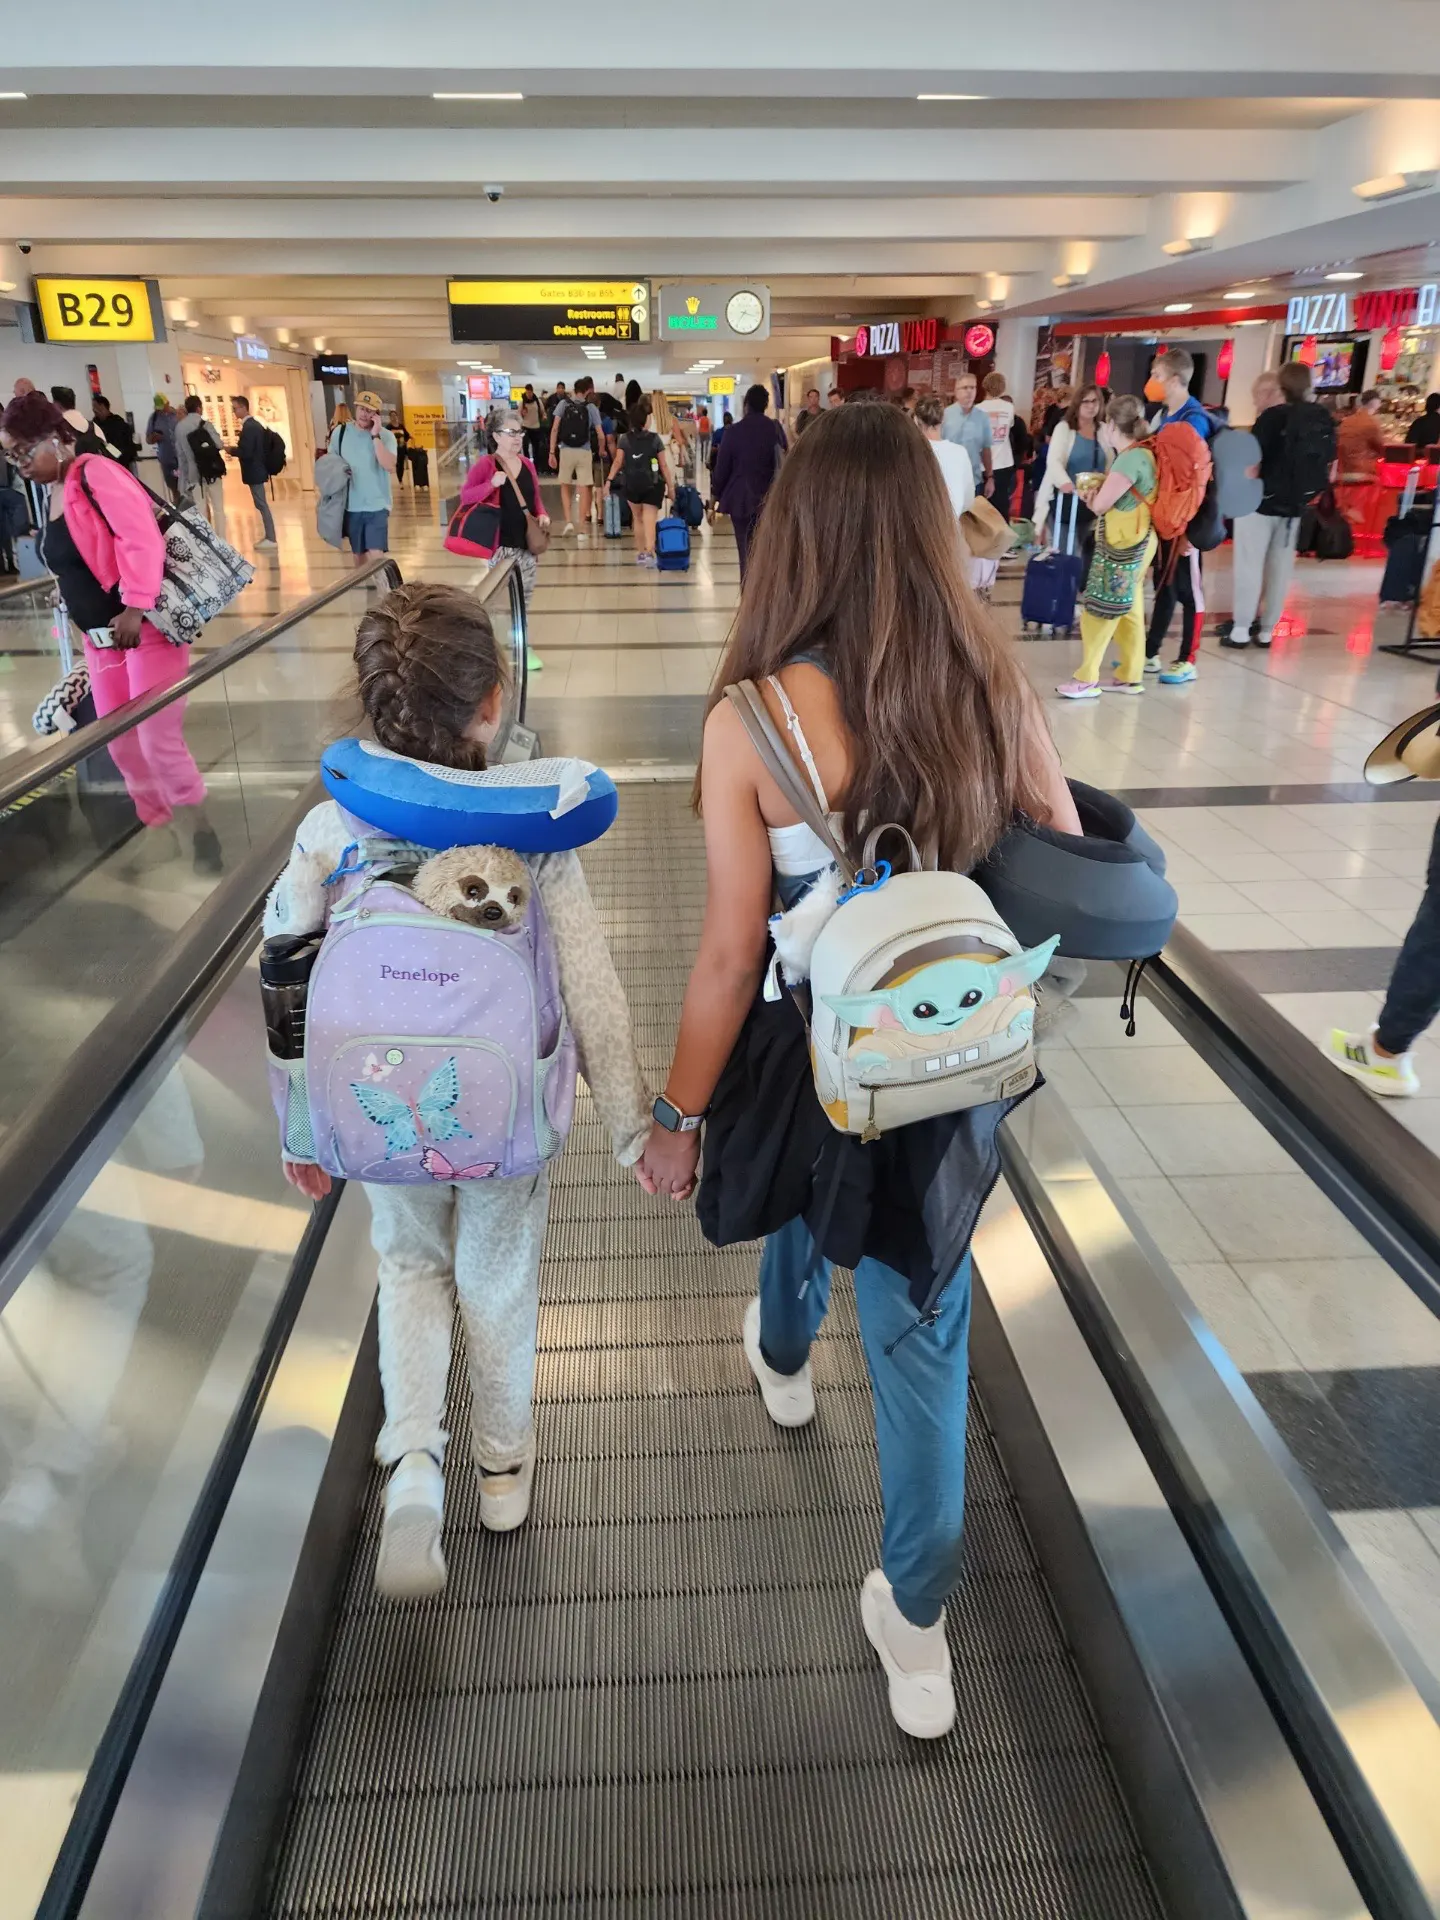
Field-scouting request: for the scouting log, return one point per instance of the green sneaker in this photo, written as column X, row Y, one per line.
column 1354, row 1053
column 1153, row 665
column 1180, row 675
column 533, row 662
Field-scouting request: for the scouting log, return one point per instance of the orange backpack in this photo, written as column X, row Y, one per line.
column 1183, row 463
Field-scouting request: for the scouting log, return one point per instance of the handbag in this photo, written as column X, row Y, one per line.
column 203, row 573
column 474, row 530
column 988, row 534
column 537, row 538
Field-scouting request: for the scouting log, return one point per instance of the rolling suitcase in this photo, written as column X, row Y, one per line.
column 672, row 546
column 420, row 467
column 613, row 527
column 1052, row 580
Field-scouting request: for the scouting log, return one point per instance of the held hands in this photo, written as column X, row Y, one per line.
column 312, row 1181
column 669, row 1162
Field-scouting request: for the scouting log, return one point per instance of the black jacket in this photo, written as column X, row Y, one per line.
column 250, row 452
column 910, row 1198
column 121, row 435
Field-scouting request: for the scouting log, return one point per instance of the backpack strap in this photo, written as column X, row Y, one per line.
column 765, row 737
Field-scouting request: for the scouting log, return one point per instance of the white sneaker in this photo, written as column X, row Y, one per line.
column 410, row 1565
column 40, row 1542
column 267, row 546
column 505, row 1497
column 916, row 1662
column 1394, row 1076
column 789, row 1397
column 569, row 527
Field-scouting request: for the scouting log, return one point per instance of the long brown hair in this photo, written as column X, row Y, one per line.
column 856, row 556
column 425, row 658
column 1082, row 394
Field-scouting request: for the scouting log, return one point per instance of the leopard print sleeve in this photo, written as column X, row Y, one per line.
column 595, row 1005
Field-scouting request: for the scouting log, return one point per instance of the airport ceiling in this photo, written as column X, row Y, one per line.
column 321, row 190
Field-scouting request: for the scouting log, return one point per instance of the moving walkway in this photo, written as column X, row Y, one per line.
column 1179, row 1692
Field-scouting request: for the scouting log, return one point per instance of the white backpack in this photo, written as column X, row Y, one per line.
column 919, row 992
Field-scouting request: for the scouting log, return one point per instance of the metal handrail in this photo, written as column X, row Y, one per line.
column 42, row 582
column 1380, row 1176
column 24, row 772
column 1354, row 1701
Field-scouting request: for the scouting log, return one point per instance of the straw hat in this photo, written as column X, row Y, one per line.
column 1410, row 752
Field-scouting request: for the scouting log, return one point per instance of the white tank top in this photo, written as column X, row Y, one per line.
column 799, row 849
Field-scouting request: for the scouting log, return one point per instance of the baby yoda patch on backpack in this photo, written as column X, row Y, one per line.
column 920, row 993
column 921, row 1003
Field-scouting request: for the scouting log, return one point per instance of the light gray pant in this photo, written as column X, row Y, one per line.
column 478, row 1241
column 267, row 519
column 1264, row 559
column 209, row 497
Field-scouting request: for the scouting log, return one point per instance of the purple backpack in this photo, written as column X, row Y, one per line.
column 435, row 1050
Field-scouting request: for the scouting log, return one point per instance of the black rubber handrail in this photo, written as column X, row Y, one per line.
column 24, row 772
column 1380, row 1176
column 42, row 583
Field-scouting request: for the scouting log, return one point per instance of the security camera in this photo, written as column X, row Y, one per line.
column 492, row 194
column 24, row 245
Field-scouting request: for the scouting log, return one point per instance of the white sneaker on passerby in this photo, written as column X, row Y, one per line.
column 569, row 527
column 1392, row 1075
column 410, row 1565
column 789, row 1397
column 505, row 1497
column 916, row 1662
column 267, row 546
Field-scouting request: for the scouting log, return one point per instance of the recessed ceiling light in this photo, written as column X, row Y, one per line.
column 1069, row 279
column 1385, row 186
column 1347, row 275
column 477, row 96
column 14, row 96
column 952, row 96
column 1200, row 244
column 1249, row 323
column 1241, row 293
column 1180, row 306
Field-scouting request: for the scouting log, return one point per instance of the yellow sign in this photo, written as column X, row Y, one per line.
column 95, row 311
column 578, row 311
column 422, row 422
column 547, row 293
column 722, row 383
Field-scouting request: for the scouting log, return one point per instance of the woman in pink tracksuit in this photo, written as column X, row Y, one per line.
column 105, row 548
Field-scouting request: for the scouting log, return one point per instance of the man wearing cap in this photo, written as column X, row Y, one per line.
column 1381, row 1060
column 160, row 430
column 367, row 447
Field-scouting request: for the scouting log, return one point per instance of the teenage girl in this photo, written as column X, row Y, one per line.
column 432, row 683
column 901, row 703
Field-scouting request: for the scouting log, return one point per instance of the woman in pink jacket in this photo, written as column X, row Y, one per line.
column 103, row 544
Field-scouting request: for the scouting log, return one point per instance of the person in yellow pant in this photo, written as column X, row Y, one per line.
column 1114, row 606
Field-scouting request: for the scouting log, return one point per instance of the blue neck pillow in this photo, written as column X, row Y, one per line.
column 537, row 806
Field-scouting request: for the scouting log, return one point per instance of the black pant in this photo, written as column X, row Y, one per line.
column 537, row 445
column 744, row 525
column 1414, row 997
column 1177, row 587
column 1004, row 478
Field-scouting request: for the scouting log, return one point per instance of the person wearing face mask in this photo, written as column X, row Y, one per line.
column 1177, row 565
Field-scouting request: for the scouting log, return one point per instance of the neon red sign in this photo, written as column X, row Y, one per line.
column 979, row 340
column 884, row 337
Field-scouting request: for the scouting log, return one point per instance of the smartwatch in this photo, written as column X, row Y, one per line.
column 666, row 1114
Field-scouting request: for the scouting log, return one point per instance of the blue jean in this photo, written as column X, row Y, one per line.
column 920, row 1398
column 1414, row 997
column 368, row 532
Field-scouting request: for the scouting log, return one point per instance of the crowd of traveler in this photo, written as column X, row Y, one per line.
column 948, row 742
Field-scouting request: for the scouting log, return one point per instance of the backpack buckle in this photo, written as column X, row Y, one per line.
column 867, row 880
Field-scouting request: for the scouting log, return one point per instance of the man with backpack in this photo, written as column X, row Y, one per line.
column 576, row 436
column 1297, row 453
column 201, row 463
column 1185, row 473
column 251, row 448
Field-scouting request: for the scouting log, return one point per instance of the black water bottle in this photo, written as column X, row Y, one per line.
column 285, row 967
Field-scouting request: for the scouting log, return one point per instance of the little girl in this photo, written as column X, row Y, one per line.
column 432, row 684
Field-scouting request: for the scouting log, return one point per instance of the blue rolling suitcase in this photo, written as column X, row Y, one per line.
column 1052, row 580
column 672, row 546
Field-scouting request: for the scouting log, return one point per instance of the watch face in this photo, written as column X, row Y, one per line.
column 744, row 311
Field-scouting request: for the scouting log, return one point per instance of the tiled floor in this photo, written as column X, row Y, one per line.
column 1249, row 780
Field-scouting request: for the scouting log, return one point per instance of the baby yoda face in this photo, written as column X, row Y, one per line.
column 941, row 997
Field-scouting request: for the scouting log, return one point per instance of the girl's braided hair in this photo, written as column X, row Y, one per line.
column 425, row 658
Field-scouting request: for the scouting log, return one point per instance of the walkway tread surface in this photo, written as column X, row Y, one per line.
column 657, row 1700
